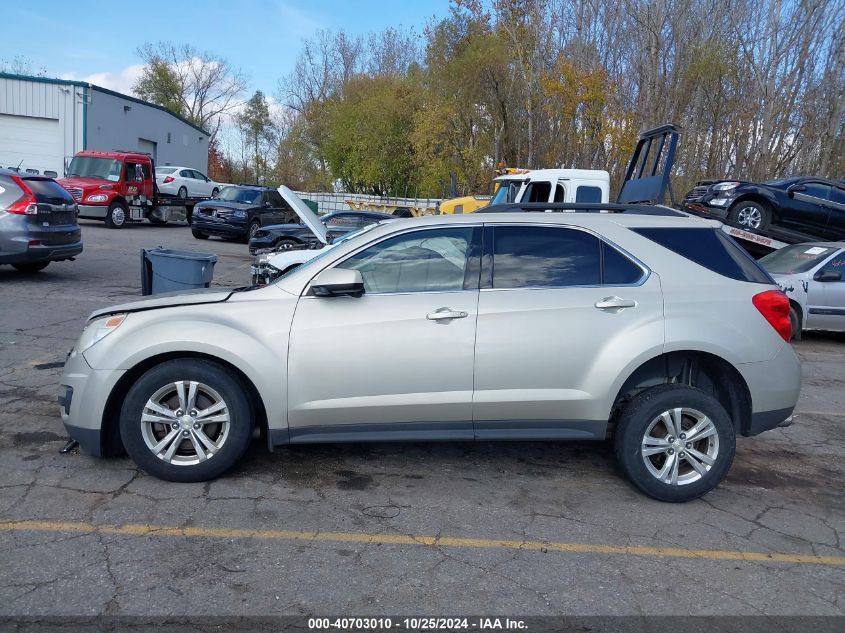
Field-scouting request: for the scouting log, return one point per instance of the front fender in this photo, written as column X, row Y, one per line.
column 250, row 335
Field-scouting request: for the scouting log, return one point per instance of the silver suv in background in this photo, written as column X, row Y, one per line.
column 38, row 221
column 657, row 331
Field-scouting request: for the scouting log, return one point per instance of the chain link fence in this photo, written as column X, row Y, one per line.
column 330, row 202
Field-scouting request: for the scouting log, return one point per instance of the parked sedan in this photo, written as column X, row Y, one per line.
column 296, row 236
column 184, row 182
column 811, row 276
column 239, row 212
column 789, row 209
column 37, row 222
column 656, row 331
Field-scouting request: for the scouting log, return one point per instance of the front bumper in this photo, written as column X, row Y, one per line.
column 222, row 229
column 710, row 206
column 93, row 211
column 83, row 394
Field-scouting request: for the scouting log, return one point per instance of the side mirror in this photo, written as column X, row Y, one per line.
column 796, row 189
column 139, row 173
column 827, row 275
column 338, row 282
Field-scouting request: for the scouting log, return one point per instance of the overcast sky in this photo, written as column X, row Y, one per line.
column 96, row 41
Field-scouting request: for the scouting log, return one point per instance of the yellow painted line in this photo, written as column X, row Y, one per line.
column 402, row 539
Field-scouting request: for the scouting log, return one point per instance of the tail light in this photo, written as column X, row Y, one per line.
column 26, row 204
column 774, row 306
column 168, row 179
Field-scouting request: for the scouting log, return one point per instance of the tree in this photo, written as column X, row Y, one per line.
column 199, row 86
column 258, row 131
column 20, row 65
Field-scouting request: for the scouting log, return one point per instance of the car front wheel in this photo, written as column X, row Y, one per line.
column 750, row 215
column 674, row 442
column 186, row 420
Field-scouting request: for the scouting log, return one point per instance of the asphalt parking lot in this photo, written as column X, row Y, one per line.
column 437, row 529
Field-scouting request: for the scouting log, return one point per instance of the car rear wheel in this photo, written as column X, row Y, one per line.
column 31, row 267
column 116, row 215
column 795, row 322
column 750, row 215
column 199, row 234
column 674, row 442
column 183, row 193
column 157, row 221
column 214, row 192
column 186, row 420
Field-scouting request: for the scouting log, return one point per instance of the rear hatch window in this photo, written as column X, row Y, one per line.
column 48, row 191
column 710, row 248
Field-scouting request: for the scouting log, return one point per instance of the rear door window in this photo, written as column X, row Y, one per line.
column 544, row 257
column 709, row 248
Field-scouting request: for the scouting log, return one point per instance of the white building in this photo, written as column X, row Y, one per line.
column 44, row 122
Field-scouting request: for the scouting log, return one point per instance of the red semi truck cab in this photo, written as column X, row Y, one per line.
column 117, row 187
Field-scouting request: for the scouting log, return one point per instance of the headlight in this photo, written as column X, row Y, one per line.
column 98, row 197
column 97, row 330
column 725, row 186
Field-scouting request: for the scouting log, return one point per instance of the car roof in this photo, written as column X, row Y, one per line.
column 23, row 174
column 632, row 220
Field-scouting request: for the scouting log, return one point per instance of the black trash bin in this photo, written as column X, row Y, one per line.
column 166, row 270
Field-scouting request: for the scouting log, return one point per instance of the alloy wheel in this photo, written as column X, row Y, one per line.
column 185, row 423
column 680, row 446
column 750, row 216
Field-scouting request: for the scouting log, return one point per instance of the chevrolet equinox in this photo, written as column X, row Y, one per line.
column 656, row 331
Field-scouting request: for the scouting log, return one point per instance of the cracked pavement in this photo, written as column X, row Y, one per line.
column 784, row 494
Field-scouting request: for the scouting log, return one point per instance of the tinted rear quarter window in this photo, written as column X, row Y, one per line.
column 709, row 248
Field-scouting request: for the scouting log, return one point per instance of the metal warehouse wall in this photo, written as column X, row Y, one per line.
column 116, row 122
column 41, row 122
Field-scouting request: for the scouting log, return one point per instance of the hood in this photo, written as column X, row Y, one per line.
column 169, row 300
column 285, row 259
column 84, row 182
column 216, row 203
column 307, row 215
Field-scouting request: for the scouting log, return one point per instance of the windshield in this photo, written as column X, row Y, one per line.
column 327, row 250
column 780, row 182
column 93, row 167
column 236, row 194
column 507, row 191
column 798, row 258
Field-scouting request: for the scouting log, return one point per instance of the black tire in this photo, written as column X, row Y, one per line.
column 30, row 267
column 253, row 227
column 214, row 192
column 285, row 244
column 157, row 221
column 795, row 322
column 237, row 405
column 117, row 215
column 743, row 215
column 182, row 193
column 199, row 234
column 644, row 410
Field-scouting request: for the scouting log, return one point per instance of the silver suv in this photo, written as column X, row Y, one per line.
column 658, row 332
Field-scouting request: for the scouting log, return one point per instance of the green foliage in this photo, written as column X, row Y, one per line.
column 159, row 84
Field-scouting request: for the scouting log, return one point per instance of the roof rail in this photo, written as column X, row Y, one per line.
column 573, row 207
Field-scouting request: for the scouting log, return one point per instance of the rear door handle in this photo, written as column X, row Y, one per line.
column 610, row 303
column 442, row 314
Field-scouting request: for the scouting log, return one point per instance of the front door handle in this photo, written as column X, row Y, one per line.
column 442, row 314
column 611, row 303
